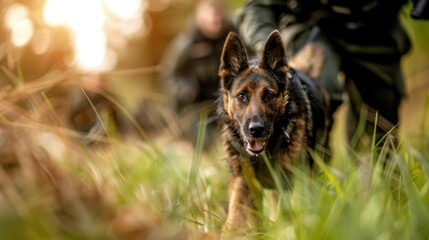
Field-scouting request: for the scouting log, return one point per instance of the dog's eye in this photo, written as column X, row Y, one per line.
column 269, row 96
column 241, row 97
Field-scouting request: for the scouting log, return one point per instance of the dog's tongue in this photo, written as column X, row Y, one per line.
column 256, row 145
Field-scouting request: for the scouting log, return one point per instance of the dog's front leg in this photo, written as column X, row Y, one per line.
column 241, row 206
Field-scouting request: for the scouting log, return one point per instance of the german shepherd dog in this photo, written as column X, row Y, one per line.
column 267, row 110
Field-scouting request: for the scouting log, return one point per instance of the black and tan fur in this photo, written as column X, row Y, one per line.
column 265, row 109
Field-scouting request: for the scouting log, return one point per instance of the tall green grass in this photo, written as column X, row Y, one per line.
column 166, row 188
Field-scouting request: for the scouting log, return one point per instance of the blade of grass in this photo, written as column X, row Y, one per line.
column 418, row 209
column 196, row 162
column 328, row 173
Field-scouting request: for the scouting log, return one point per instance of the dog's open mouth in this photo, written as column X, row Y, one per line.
column 256, row 146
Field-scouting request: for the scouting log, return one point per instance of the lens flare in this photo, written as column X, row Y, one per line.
column 55, row 11
column 124, row 10
column 14, row 14
column 90, row 50
column 93, row 25
column 21, row 27
column 22, row 32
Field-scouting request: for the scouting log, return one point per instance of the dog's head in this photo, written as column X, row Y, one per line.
column 254, row 95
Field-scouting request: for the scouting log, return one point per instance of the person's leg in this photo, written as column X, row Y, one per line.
column 372, row 98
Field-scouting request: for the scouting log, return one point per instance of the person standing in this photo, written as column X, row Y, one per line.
column 364, row 40
column 191, row 63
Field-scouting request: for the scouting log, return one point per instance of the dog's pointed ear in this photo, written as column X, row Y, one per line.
column 274, row 53
column 233, row 61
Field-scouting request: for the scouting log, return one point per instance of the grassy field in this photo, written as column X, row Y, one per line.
column 58, row 184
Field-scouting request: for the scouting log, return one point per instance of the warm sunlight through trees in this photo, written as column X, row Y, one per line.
column 98, row 28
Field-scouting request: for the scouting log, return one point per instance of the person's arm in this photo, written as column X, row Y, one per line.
column 257, row 19
column 174, row 60
column 176, row 71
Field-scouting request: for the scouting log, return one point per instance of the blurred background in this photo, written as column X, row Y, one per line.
column 117, row 46
column 111, row 46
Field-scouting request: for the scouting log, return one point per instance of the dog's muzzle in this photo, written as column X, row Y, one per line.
column 257, row 137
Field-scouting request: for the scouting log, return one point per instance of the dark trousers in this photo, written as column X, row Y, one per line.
column 371, row 77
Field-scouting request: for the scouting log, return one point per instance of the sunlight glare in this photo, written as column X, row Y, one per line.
column 55, row 11
column 90, row 50
column 126, row 9
column 96, row 25
column 22, row 32
column 15, row 14
column 86, row 16
column 16, row 19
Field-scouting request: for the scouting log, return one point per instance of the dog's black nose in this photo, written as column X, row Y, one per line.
column 256, row 128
